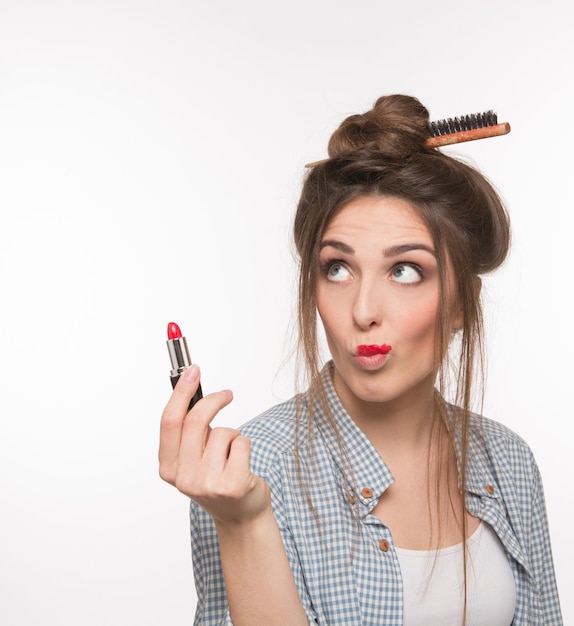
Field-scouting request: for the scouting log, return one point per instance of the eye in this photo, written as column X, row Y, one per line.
column 407, row 273
column 336, row 272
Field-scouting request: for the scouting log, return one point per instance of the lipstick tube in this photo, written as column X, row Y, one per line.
column 180, row 360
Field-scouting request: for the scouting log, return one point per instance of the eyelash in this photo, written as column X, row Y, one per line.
column 327, row 265
column 418, row 269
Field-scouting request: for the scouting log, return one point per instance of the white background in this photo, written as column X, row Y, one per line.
column 151, row 155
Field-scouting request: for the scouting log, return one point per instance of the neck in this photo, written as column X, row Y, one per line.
column 402, row 426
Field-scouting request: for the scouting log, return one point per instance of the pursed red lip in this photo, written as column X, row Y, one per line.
column 371, row 349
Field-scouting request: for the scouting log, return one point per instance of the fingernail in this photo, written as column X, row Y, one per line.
column 191, row 374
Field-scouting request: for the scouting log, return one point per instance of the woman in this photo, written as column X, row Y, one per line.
column 343, row 505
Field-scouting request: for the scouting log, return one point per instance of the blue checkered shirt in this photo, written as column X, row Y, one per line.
column 349, row 575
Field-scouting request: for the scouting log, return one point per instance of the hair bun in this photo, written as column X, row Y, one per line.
column 397, row 127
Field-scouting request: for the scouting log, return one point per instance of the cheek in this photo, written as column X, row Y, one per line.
column 322, row 310
column 325, row 308
column 332, row 320
column 419, row 322
column 328, row 320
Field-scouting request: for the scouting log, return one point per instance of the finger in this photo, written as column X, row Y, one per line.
column 216, row 451
column 196, row 429
column 238, row 466
column 172, row 421
column 186, row 388
column 203, row 478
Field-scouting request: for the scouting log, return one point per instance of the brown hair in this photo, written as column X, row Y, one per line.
column 382, row 153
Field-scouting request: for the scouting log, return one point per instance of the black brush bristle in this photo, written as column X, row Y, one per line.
column 462, row 123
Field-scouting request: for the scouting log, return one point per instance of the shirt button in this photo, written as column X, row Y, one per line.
column 366, row 492
column 384, row 545
column 351, row 498
column 489, row 489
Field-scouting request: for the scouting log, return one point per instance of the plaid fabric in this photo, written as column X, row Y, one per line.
column 348, row 574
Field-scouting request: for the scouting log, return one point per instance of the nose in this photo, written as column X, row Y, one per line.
column 367, row 308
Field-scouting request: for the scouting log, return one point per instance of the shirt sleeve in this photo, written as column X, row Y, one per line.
column 541, row 556
column 212, row 607
column 278, row 503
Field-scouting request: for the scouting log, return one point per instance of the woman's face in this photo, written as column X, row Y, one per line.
column 379, row 285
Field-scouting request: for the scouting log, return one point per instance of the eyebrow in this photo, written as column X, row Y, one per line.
column 390, row 251
column 343, row 247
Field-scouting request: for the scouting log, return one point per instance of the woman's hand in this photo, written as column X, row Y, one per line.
column 211, row 466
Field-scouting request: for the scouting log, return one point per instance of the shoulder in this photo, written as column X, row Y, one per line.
column 495, row 445
column 490, row 433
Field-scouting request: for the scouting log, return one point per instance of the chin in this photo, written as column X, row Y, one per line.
column 372, row 391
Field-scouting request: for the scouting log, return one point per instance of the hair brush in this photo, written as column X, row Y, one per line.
column 465, row 128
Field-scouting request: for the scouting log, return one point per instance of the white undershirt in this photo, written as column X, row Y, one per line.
column 434, row 584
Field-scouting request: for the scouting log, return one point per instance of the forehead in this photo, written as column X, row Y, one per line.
column 382, row 218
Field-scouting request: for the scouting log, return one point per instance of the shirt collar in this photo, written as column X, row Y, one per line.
column 480, row 477
column 484, row 496
column 369, row 476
